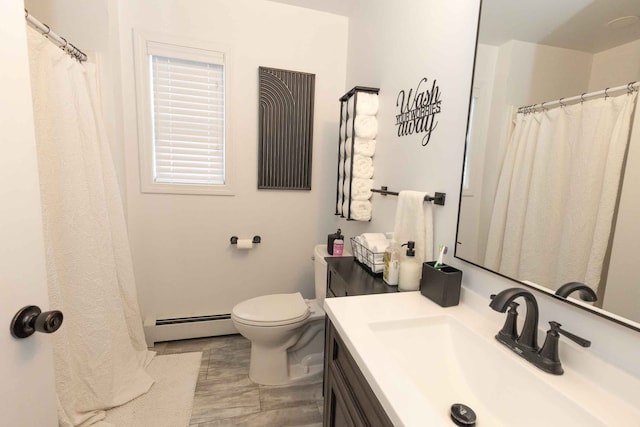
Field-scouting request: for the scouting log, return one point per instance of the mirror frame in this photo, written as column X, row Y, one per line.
column 575, row 303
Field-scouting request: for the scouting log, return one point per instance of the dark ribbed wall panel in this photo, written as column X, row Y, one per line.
column 285, row 129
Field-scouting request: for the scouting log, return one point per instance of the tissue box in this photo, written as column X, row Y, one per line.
column 441, row 285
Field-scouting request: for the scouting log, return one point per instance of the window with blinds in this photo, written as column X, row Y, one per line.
column 188, row 121
column 182, row 95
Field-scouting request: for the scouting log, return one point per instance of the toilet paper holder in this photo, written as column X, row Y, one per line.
column 234, row 239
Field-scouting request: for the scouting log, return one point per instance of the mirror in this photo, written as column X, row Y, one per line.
column 529, row 212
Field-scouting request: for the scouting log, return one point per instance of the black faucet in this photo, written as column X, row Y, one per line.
column 526, row 344
column 585, row 292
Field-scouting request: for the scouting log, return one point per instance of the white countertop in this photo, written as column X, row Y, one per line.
column 405, row 404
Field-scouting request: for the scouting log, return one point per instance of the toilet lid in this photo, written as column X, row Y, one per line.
column 276, row 308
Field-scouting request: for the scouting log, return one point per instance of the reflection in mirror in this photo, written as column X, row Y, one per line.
column 551, row 185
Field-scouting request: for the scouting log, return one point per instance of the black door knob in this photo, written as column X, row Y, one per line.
column 30, row 319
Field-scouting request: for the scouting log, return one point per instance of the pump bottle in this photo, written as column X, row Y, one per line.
column 410, row 270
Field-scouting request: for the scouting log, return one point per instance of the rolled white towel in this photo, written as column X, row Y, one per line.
column 348, row 128
column 360, row 209
column 362, row 167
column 360, row 189
column 367, row 104
column 364, row 147
column 344, row 164
column 366, row 127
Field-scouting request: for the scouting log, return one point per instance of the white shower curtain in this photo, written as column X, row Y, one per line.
column 557, row 191
column 99, row 352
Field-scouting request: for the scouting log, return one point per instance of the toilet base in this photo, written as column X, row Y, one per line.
column 296, row 360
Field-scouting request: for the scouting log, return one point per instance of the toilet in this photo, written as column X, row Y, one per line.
column 286, row 331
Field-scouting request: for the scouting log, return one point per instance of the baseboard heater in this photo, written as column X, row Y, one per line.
column 182, row 328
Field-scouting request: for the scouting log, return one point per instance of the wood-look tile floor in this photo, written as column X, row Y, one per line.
column 225, row 396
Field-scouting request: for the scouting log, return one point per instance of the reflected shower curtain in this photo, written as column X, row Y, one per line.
column 99, row 352
column 557, row 192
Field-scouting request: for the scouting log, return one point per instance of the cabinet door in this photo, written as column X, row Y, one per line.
column 335, row 406
column 346, row 389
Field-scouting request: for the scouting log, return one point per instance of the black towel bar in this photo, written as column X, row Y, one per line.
column 438, row 199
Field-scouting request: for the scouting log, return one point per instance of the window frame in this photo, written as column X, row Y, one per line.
column 143, row 42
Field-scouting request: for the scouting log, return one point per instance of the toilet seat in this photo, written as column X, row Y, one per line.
column 272, row 310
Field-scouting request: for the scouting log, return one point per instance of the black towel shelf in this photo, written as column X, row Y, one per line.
column 438, row 199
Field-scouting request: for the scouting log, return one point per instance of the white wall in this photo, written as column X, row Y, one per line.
column 615, row 67
column 392, row 45
column 183, row 260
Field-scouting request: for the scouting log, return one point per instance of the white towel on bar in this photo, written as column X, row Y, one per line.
column 360, row 210
column 364, row 147
column 362, row 167
column 360, row 189
column 367, row 104
column 414, row 221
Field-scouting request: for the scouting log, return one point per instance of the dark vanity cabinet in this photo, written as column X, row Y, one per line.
column 345, row 278
column 348, row 398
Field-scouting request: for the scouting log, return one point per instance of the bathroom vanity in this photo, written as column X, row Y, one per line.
column 349, row 401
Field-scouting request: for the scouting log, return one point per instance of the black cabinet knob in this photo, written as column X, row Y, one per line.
column 30, row 319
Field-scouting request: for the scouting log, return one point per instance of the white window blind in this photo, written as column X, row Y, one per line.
column 188, row 115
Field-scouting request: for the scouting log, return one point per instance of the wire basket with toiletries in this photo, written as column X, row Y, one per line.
column 368, row 251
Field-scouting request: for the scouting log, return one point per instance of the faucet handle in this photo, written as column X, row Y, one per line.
column 509, row 329
column 555, row 327
column 549, row 351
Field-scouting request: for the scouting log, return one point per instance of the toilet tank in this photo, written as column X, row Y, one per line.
column 320, row 269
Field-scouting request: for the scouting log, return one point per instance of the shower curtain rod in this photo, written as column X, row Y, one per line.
column 630, row 87
column 59, row 41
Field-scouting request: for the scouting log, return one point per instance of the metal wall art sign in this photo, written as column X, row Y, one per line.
column 418, row 109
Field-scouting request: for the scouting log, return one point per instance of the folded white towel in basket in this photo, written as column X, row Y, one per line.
column 363, row 147
column 367, row 104
column 362, row 167
column 378, row 246
column 360, row 209
column 360, row 189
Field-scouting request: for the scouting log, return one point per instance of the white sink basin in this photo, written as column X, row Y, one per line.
column 449, row 363
column 420, row 358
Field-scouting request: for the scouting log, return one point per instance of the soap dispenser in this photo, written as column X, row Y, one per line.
column 410, row 270
column 331, row 238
